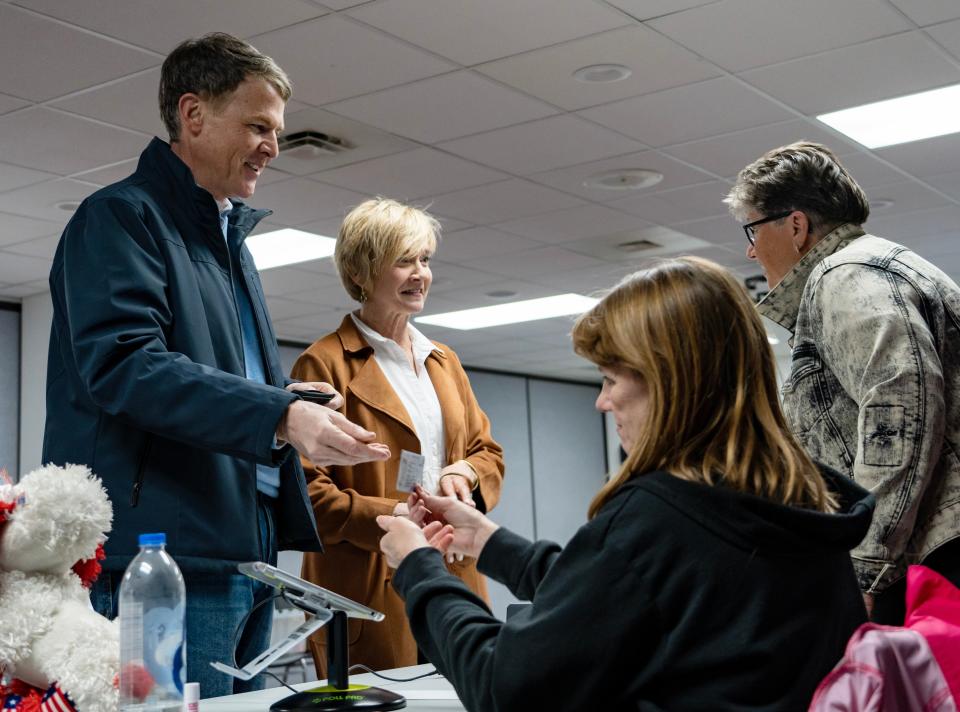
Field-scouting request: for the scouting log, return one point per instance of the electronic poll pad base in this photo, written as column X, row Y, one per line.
column 325, row 607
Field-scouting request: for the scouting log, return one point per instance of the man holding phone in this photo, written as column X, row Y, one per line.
column 164, row 374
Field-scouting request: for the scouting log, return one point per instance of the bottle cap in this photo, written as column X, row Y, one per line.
column 157, row 539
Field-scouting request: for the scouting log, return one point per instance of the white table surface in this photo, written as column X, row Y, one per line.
column 428, row 693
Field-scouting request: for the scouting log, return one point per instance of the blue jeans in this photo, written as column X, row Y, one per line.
column 216, row 606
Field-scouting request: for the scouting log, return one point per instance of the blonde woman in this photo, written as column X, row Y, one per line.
column 713, row 572
column 414, row 394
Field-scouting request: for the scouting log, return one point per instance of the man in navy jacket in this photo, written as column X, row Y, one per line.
column 164, row 375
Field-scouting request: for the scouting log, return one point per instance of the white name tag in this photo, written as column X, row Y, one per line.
column 410, row 473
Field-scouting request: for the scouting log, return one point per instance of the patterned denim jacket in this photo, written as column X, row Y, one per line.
column 874, row 388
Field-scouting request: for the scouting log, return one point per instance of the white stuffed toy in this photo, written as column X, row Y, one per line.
column 59, row 653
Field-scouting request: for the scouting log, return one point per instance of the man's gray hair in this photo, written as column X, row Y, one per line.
column 802, row 176
column 212, row 67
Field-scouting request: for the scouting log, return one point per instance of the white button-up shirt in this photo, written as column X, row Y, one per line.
column 416, row 392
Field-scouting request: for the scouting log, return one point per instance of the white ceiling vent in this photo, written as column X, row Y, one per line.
column 308, row 145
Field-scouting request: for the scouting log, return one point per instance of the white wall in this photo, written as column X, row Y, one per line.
column 36, row 316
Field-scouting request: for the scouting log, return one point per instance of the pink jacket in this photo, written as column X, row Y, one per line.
column 914, row 668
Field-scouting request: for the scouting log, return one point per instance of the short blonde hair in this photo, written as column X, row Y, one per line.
column 687, row 327
column 377, row 233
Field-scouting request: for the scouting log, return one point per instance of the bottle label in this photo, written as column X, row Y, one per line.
column 163, row 647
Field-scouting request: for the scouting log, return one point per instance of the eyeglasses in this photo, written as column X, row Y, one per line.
column 751, row 227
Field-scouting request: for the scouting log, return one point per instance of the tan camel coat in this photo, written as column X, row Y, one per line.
column 346, row 500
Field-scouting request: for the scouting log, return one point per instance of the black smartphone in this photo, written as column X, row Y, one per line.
column 321, row 397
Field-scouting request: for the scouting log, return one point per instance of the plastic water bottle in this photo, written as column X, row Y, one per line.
column 152, row 628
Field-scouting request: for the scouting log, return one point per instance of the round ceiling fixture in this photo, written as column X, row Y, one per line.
column 881, row 203
column 602, row 73
column 624, row 179
column 69, row 205
column 502, row 293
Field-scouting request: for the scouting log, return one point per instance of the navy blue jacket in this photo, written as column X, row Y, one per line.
column 145, row 378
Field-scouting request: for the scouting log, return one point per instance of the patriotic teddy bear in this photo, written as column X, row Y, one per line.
column 56, row 652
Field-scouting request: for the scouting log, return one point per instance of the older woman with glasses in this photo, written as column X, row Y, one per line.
column 414, row 394
column 714, row 571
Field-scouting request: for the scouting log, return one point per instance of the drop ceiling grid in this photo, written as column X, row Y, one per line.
column 498, row 205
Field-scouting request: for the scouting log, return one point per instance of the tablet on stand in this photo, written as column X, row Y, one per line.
column 323, row 607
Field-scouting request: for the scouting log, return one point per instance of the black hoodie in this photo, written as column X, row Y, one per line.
column 676, row 596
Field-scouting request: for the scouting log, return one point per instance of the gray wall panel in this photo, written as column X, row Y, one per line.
column 568, row 443
column 504, row 400
column 9, row 390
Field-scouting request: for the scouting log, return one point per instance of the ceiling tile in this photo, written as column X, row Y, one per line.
column 907, row 196
column 501, row 201
column 10, row 103
column 930, row 157
column 310, row 326
column 696, row 201
column 131, row 103
column 41, row 200
column 869, row 171
column 570, row 179
column 333, row 58
column 760, row 32
column 300, row 200
column 476, row 242
column 720, row 230
column 15, row 269
column 478, row 295
column 730, row 258
column 602, row 276
column 445, row 107
column 949, row 183
column 410, row 175
column 618, row 248
column 948, row 36
column 531, row 263
column 17, row 229
column 364, row 142
column 726, row 155
column 342, row 4
column 287, row 280
column 448, row 276
column 59, row 143
column 927, row 12
column 688, row 113
column 40, row 56
column 43, row 247
column 906, row 228
column 473, row 32
column 542, row 145
column 574, row 223
column 161, row 26
column 649, row 9
column 115, row 172
column 282, row 308
column 16, row 177
column 881, row 69
column 656, row 63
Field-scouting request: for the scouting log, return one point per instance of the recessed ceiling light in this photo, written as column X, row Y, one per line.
column 880, row 203
column 69, row 205
column 512, row 312
column 287, row 247
column 772, row 340
column 602, row 73
column 900, row 120
column 623, row 179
